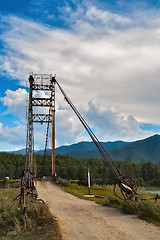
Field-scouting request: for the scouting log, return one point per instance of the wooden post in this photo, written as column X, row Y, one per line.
column 53, row 126
column 89, row 181
column 30, row 123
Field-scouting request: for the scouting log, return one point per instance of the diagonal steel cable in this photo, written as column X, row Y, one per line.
column 126, row 184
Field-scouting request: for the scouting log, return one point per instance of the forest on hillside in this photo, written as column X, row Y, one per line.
column 144, row 173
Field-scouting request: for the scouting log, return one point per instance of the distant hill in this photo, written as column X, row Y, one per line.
column 88, row 148
column 146, row 149
column 84, row 149
column 21, row 151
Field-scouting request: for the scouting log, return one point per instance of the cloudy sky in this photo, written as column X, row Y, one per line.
column 105, row 55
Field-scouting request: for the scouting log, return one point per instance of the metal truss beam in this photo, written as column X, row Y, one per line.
column 45, row 87
column 42, row 102
column 42, row 118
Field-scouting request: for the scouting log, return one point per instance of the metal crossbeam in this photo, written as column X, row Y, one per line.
column 42, row 102
column 42, row 118
column 41, row 79
column 45, row 87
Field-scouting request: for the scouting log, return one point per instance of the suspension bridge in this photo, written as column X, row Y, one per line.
column 79, row 219
column 47, row 83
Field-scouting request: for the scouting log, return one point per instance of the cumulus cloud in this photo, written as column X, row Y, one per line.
column 107, row 122
column 111, row 124
column 68, row 128
column 114, row 67
column 16, row 102
column 15, row 135
column 102, row 56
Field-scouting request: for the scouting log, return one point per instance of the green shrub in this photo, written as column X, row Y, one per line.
column 149, row 210
column 64, row 183
column 130, row 206
column 145, row 209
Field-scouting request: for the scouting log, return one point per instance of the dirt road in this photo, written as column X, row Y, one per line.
column 85, row 220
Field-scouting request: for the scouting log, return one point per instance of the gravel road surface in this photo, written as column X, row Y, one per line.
column 85, row 220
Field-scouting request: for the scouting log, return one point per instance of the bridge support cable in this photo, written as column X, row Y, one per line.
column 126, row 184
column 46, row 142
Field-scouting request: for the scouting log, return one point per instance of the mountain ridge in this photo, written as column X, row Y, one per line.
column 136, row 151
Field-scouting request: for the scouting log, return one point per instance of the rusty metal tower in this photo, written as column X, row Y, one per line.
column 46, row 83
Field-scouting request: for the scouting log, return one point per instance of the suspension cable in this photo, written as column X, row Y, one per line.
column 46, row 142
column 126, row 184
column 100, row 147
column 47, row 133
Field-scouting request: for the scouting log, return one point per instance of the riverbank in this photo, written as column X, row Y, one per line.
column 155, row 191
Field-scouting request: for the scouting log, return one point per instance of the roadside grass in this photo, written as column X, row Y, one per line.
column 103, row 194
column 8, row 183
column 144, row 209
column 40, row 224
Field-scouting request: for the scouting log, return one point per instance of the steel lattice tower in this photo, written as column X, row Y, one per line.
column 40, row 82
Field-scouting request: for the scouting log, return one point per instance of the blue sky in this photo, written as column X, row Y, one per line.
column 105, row 55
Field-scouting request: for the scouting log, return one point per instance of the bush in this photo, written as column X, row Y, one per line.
column 149, row 210
column 64, row 182
column 130, row 207
column 145, row 209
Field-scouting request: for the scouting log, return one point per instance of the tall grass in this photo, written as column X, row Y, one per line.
column 36, row 223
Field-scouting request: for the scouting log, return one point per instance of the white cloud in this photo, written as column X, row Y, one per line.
column 14, row 136
column 16, row 102
column 102, row 18
column 105, row 57
column 111, row 124
column 108, row 123
column 68, row 128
